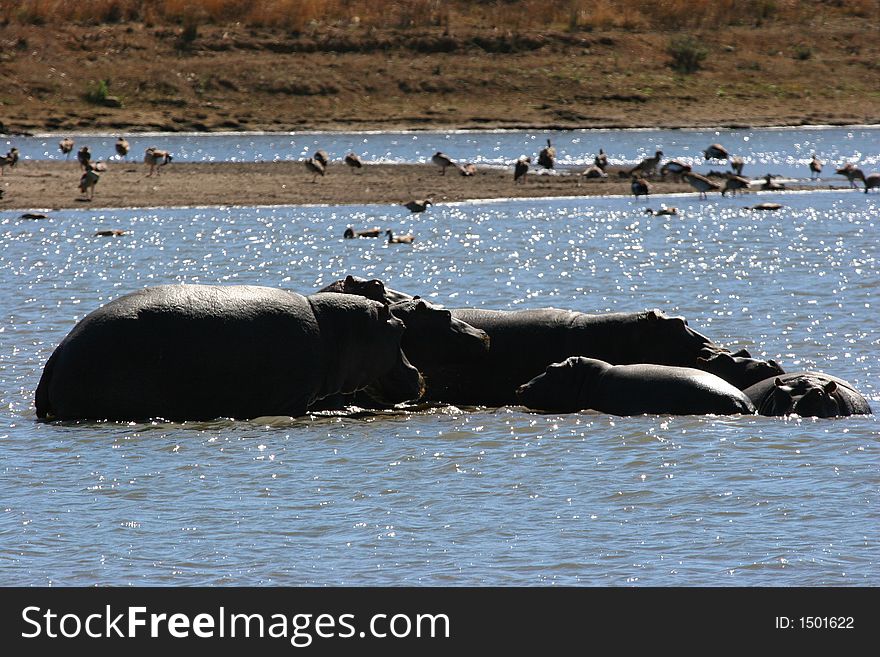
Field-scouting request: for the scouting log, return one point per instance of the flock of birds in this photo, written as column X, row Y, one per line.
column 646, row 170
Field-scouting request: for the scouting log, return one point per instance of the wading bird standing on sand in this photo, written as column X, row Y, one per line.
column 815, row 167
column 852, row 174
column 122, row 147
column 716, row 152
column 9, row 160
column 639, row 187
column 443, row 161
column 521, row 168
column 88, row 180
column 399, row 239
column 65, row 146
column 770, row 185
column 84, row 156
column 701, row 183
column 313, row 166
column 601, row 160
column 734, row 183
column 547, row 156
column 419, row 205
column 648, row 166
column 156, row 159
column 675, row 168
column 322, row 157
column 354, row 161
column 737, row 164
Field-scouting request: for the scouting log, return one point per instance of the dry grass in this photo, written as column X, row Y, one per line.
column 297, row 15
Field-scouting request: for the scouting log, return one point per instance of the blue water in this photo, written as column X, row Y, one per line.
column 448, row 496
column 782, row 152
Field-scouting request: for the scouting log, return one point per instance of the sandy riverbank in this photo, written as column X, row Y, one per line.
column 54, row 185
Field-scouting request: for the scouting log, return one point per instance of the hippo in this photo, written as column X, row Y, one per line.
column 524, row 342
column 808, row 394
column 738, row 368
column 194, row 352
column 434, row 342
column 371, row 289
column 579, row 383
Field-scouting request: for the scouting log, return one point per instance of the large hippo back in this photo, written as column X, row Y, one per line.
column 200, row 351
column 523, row 343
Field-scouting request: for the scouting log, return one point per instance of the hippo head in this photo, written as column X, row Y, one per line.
column 434, row 339
column 804, row 397
column 371, row 289
column 401, row 382
column 562, row 388
column 738, row 369
column 671, row 340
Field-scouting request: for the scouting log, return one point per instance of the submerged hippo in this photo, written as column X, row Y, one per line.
column 434, row 342
column 586, row 383
column 183, row 352
column 739, row 368
column 808, row 394
column 524, row 342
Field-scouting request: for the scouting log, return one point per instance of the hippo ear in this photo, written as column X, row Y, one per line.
column 742, row 353
column 778, row 382
column 653, row 315
column 384, row 312
column 349, row 281
column 775, row 364
column 420, row 305
column 830, row 387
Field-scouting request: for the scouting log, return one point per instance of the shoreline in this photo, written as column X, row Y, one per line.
column 358, row 129
column 53, row 185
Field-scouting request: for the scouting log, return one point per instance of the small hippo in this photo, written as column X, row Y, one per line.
column 586, row 383
column 808, row 394
column 195, row 352
column 739, row 368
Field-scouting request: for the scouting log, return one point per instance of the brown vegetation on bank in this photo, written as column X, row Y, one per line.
column 335, row 64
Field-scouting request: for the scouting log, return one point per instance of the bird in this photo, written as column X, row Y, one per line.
column 737, row 164
column 852, row 173
column 350, row 233
column 734, row 183
column 419, row 205
column 443, row 161
column 88, row 181
column 815, row 167
column 521, row 168
column 639, row 187
column 113, row 232
column 547, row 156
column 322, row 158
column 122, row 147
column 593, row 171
column 601, row 160
column 84, row 156
column 871, row 181
column 65, row 146
column 315, row 167
column 156, row 158
column 467, row 170
column 9, row 160
column 765, row 206
column 662, row 212
column 354, row 161
column 701, row 183
column 648, row 166
column 675, row 167
column 399, row 239
column 716, row 152
column 770, row 186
